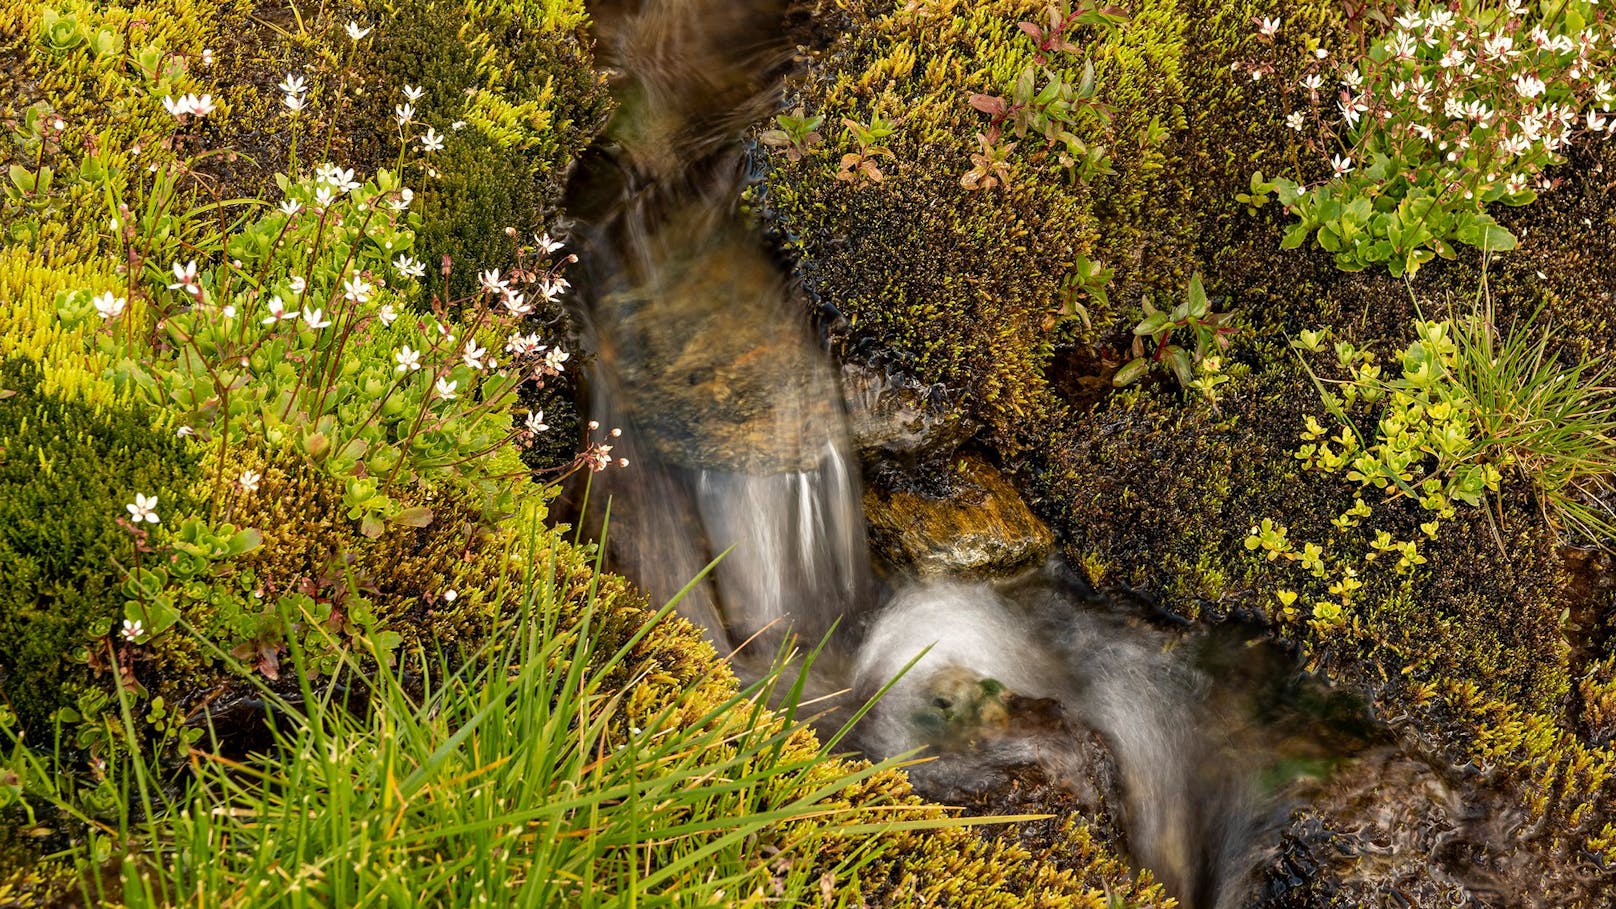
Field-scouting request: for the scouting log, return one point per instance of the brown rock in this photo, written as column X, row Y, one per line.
column 981, row 527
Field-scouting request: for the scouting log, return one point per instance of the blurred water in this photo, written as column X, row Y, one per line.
column 732, row 421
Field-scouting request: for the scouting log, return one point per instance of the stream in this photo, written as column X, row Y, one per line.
column 734, row 420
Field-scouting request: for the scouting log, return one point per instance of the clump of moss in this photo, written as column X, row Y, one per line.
column 67, row 471
column 511, row 88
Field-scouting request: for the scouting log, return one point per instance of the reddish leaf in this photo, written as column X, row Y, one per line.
column 992, row 105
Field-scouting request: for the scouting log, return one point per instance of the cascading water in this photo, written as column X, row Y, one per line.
column 733, row 425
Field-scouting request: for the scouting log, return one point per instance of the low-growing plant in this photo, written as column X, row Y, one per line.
column 860, row 164
column 1198, row 366
column 1061, row 111
column 524, row 769
column 797, row 133
column 1468, row 404
column 1455, row 107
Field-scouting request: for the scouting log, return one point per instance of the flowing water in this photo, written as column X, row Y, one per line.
column 732, row 420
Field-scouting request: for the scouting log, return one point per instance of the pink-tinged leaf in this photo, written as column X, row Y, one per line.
column 1032, row 30
column 992, row 105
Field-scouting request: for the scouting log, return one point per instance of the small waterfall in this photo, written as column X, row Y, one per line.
column 730, row 412
column 733, row 423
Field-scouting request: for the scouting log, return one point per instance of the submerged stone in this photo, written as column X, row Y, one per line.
column 892, row 416
column 981, row 526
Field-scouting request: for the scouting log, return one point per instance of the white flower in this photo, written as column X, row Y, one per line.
column 1320, row 53
column 1352, row 79
column 1341, row 165
column 431, row 141
column 324, row 196
column 446, row 388
column 409, row 267
column 110, row 306
column 184, row 431
column 1439, row 19
column 355, row 32
column 249, row 480
column 492, row 282
column 132, row 629
column 1529, row 86
column 143, row 508
column 293, row 85
column 515, row 302
column 413, row 93
column 184, row 277
column 202, row 106
column 277, row 312
column 294, row 103
column 357, row 289
column 1350, row 112
column 207, row 56
column 554, row 358
column 522, row 345
column 404, row 113
column 473, row 355
column 177, row 108
column 298, row 284
column 402, row 203
column 1312, row 82
column 551, row 288
column 1268, row 27
column 1595, row 121
column 315, row 319
column 1294, row 120
column 343, row 179
column 290, row 207
column 408, row 360
column 545, row 244
column 387, row 314
column 450, row 595
column 535, row 422
column 229, row 311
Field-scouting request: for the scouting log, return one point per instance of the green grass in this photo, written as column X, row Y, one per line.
column 1555, row 423
column 511, row 778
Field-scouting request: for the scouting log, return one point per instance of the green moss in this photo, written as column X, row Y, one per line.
column 66, row 472
column 511, row 88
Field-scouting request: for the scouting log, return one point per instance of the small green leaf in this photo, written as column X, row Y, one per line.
column 1131, row 373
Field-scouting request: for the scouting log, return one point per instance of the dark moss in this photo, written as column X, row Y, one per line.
column 66, row 472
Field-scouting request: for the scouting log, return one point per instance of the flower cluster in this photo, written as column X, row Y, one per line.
column 1448, row 111
column 189, row 105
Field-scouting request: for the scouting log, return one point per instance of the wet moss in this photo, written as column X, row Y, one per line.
column 1153, row 492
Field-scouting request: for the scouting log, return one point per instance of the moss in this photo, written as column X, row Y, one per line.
column 66, row 471
column 510, row 86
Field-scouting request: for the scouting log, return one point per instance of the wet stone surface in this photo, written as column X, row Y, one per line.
column 977, row 526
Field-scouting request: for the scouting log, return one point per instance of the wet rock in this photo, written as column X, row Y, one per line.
column 979, row 526
column 893, row 417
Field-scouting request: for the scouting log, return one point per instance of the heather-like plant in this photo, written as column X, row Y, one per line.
column 1455, row 107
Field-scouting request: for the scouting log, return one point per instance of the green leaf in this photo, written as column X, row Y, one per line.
column 1178, row 360
column 1131, row 373
column 1482, row 232
column 243, row 542
column 1198, row 305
